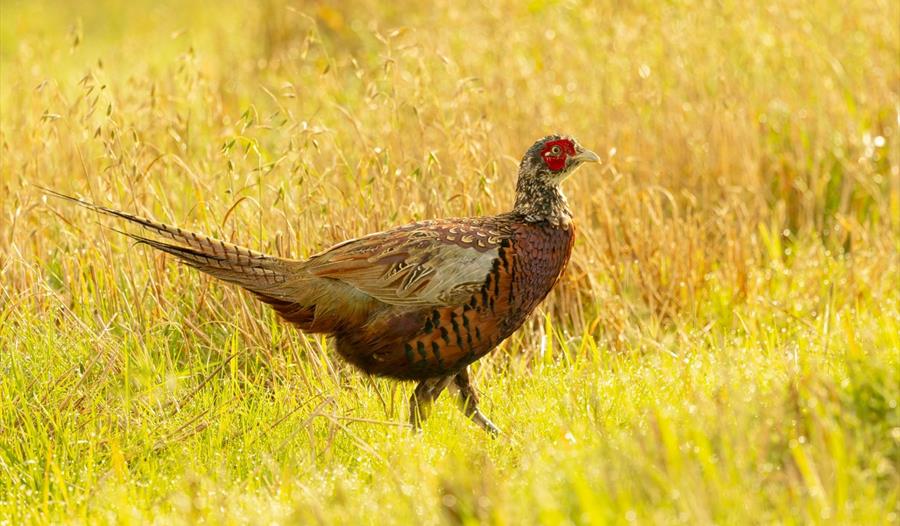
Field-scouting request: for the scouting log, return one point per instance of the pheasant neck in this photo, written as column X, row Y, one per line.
column 538, row 200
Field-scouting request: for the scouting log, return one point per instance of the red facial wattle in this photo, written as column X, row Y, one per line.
column 555, row 154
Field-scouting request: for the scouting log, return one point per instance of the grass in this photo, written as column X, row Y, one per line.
column 723, row 349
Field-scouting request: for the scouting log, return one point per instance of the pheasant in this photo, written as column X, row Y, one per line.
column 419, row 302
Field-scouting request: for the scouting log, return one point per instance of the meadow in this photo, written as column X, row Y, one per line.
column 723, row 349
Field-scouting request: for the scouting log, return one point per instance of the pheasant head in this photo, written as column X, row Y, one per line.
column 545, row 165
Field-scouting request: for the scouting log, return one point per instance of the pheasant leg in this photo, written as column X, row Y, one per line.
column 423, row 397
column 468, row 402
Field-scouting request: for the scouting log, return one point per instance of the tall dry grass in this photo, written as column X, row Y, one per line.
column 751, row 184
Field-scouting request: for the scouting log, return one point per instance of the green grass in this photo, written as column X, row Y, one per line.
column 725, row 347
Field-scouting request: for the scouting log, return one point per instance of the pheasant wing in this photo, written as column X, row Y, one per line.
column 431, row 263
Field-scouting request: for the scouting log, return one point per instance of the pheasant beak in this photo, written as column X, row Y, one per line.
column 585, row 156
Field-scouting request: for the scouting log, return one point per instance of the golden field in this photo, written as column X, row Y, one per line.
column 724, row 347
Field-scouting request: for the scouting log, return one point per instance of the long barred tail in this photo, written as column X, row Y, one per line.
column 255, row 271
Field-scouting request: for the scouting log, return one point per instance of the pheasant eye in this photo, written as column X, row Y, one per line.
column 555, row 151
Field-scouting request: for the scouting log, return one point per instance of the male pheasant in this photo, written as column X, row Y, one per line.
column 421, row 301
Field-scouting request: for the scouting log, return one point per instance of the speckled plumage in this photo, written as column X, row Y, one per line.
column 421, row 301
column 439, row 339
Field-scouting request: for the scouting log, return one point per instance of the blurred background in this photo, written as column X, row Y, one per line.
column 729, row 124
column 349, row 117
column 749, row 191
